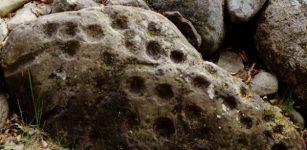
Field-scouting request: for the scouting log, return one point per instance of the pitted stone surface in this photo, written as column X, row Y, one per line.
column 126, row 78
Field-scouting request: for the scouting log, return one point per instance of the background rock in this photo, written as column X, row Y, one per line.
column 71, row 5
column 281, row 40
column 206, row 16
column 243, row 10
column 230, row 61
column 4, row 110
column 185, row 26
column 126, row 78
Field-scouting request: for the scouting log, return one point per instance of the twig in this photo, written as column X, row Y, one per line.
column 249, row 73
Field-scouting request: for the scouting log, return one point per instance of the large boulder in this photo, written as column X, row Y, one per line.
column 119, row 77
column 281, row 40
column 206, row 16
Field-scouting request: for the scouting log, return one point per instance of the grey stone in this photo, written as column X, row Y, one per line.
column 206, row 16
column 41, row 8
column 4, row 110
column 119, row 77
column 71, row 5
column 281, row 41
column 297, row 118
column 231, row 62
column 23, row 15
column 7, row 6
column 134, row 3
column 264, row 83
column 185, row 26
column 243, row 10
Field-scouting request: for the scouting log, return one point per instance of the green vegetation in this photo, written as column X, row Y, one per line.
column 285, row 94
column 37, row 104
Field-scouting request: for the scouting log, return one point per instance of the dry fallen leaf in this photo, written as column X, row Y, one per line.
column 44, row 143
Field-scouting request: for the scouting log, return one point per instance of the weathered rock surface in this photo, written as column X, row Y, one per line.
column 4, row 110
column 134, row 3
column 230, row 61
column 264, row 83
column 206, row 16
column 3, row 30
column 119, row 77
column 281, row 40
column 71, row 5
column 41, row 8
column 243, row 10
column 23, row 15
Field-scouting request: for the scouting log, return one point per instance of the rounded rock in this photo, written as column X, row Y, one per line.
column 264, row 84
column 243, row 10
column 108, row 92
column 231, row 62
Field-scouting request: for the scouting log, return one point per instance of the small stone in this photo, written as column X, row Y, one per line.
column 275, row 101
column 22, row 16
column 41, row 9
column 297, row 118
column 243, row 10
column 264, row 83
column 230, row 62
